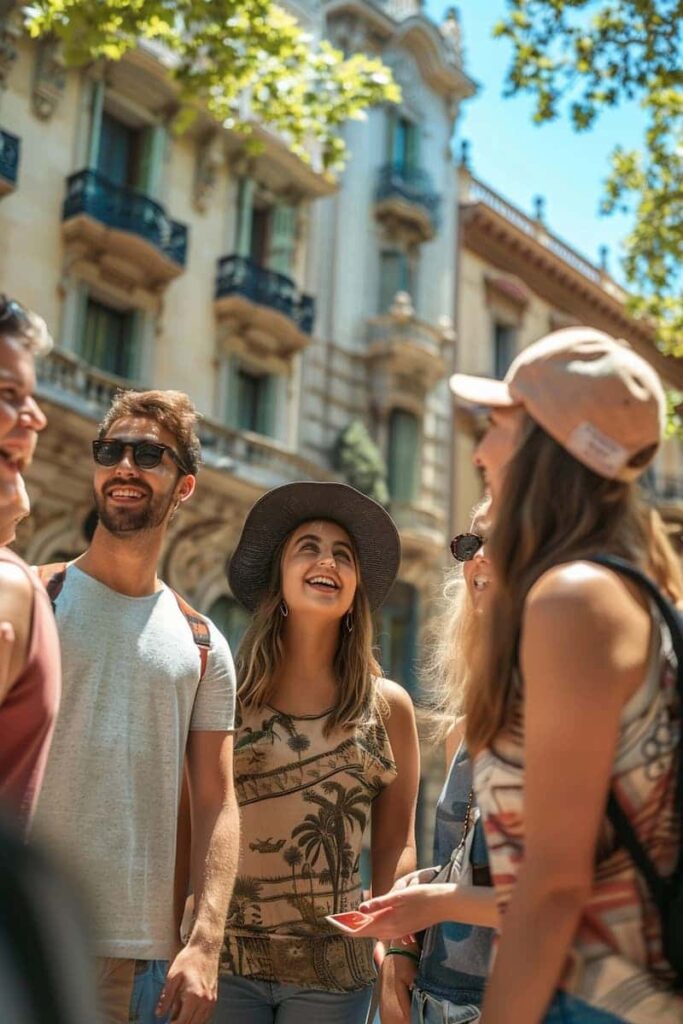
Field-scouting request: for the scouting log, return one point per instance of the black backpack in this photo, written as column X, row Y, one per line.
column 666, row 893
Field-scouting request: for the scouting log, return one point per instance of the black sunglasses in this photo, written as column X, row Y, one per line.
column 146, row 454
column 465, row 546
column 10, row 308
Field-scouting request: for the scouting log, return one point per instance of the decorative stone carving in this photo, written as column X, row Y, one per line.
column 49, row 79
column 349, row 33
column 210, row 159
column 402, row 308
column 451, row 30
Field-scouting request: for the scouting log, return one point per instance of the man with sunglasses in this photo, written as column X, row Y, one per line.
column 140, row 697
column 29, row 649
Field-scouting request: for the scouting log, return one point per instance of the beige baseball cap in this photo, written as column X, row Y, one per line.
column 594, row 395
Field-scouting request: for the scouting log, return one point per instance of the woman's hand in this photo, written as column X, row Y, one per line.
column 409, row 910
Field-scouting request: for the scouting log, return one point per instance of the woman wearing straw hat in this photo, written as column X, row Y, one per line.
column 323, row 746
column 573, row 698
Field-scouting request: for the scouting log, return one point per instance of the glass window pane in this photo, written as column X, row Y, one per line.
column 504, row 339
column 116, row 158
column 398, row 635
column 108, row 339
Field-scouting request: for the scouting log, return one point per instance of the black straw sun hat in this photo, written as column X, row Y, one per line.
column 280, row 511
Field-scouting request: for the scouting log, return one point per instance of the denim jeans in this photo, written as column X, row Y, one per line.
column 428, row 1009
column 565, row 1009
column 150, row 976
column 247, row 1001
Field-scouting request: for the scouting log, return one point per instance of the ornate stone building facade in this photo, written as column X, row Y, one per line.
column 294, row 310
column 516, row 282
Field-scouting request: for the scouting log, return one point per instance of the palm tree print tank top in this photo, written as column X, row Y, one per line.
column 305, row 801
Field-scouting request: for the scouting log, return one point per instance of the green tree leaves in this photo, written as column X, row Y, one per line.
column 237, row 58
column 591, row 54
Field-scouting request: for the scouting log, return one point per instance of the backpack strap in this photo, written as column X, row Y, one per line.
column 199, row 628
column 659, row 887
column 52, row 577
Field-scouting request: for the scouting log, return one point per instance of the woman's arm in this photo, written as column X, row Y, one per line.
column 393, row 811
column 420, row 906
column 393, row 843
column 583, row 653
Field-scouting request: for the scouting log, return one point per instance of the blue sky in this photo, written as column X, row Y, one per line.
column 520, row 159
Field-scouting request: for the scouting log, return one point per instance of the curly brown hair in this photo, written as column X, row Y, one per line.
column 173, row 410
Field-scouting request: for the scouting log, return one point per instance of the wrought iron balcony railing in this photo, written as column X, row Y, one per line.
column 125, row 209
column 10, row 150
column 238, row 275
column 411, row 184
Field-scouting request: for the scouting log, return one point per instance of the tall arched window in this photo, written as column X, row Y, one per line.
column 403, row 461
column 231, row 618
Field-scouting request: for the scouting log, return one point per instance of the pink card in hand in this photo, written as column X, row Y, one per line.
column 349, row 922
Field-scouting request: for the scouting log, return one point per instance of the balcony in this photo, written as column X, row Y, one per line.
column 406, row 202
column 10, row 151
column 73, row 386
column 262, row 306
column 128, row 234
column 406, row 355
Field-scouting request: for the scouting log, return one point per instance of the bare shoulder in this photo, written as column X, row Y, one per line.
column 586, row 622
column 16, row 590
column 396, row 696
column 580, row 590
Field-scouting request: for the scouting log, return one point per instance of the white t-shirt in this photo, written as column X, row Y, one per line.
column 109, row 803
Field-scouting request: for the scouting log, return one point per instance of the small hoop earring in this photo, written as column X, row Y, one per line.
column 348, row 622
column 284, row 610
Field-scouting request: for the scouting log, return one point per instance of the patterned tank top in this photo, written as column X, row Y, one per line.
column 616, row 963
column 305, row 801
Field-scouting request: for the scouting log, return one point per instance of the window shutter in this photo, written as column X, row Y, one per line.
column 245, row 204
column 268, row 405
column 393, row 277
column 151, row 160
column 403, row 455
column 391, row 137
column 412, row 153
column 282, row 239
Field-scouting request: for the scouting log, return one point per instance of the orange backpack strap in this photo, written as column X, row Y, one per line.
column 52, row 577
column 200, row 631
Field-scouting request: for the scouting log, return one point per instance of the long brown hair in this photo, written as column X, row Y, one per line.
column 552, row 509
column 355, row 666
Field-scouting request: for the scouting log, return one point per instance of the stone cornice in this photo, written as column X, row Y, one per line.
column 560, row 276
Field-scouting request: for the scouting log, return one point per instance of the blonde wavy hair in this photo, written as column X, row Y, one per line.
column 553, row 510
column 355, row 665
column 451, row 640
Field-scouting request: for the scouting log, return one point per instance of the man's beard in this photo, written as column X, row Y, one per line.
column 122, row 521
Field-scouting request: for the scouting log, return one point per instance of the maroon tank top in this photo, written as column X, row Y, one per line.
column 28, row 712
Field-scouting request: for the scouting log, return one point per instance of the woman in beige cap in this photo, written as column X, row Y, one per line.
column 323, row 747
column 573, row 696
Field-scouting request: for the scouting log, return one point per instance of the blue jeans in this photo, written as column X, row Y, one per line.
column 428, row 1009
column 565, row 1009
column 147, row 991
column 246, row 1001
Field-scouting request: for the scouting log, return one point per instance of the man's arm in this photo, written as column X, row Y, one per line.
column 191, row 984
